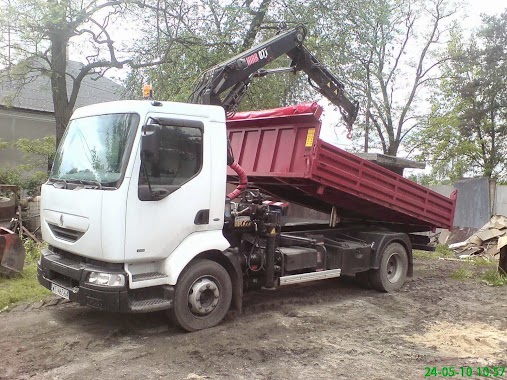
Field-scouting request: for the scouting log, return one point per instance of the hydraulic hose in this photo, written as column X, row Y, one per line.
column 243, row 180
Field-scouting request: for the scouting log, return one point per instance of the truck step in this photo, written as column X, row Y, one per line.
column 155, row 304
column 147, row 276
column 313, row 276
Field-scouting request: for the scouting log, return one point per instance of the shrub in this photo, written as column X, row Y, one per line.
column 37, row 154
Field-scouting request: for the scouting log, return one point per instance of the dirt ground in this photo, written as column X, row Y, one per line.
column 331, row 329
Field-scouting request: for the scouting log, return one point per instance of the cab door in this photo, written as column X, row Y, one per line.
column 169, row 194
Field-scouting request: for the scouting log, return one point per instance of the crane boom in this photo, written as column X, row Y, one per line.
column 235, row 74
column 325, row 82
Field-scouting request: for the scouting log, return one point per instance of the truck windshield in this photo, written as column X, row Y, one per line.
column 94, row 149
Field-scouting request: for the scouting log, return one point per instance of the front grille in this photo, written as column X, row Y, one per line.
column 71, row 257
column 61, row 279
column 66, row 234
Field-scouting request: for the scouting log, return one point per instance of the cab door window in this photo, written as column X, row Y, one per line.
column 176, row 161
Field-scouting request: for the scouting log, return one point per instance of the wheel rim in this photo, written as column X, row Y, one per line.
column 203, row 296
column 394, row 268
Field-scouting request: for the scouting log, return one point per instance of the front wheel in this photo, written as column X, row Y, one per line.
column 393, row 269
column 203, row 296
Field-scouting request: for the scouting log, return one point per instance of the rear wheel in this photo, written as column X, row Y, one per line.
column 203, row 296
column 393, row 268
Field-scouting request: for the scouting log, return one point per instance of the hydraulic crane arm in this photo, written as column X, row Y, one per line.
column 325, row 82
column 237, row 71
column 236, row 74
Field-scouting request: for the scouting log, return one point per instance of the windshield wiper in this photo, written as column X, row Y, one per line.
column 90, row 182
column 62, row 183
column 87, row 182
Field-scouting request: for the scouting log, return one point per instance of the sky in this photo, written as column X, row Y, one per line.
column 483, row 6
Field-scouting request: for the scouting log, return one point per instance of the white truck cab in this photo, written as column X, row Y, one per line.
column 114, row 224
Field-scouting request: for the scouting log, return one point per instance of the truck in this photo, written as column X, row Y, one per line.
column 136, row 217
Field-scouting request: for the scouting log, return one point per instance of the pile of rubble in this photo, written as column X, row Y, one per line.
column 486, row 242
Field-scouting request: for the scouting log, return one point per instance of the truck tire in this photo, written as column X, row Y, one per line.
column 202, row 297
column 393, row 268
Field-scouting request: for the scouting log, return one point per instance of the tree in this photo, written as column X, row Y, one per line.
column 467, row 129
column 41, row 36
column 385, row 53
column 216, row 31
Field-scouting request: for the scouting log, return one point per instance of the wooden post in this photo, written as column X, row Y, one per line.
column 502, row 264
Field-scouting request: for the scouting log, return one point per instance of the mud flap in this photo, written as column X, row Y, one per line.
column 12, row 252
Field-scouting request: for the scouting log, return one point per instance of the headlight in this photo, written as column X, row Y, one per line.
column 106, row 279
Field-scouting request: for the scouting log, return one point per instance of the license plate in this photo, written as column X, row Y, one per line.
column 58, row 290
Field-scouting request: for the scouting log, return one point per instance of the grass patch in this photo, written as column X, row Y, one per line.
column 463, row 273
column 440, row 251
column 418, row 254
column 444, row 251
column 24, row 287
column 478, row 268
column 482, row 270
column 483, row 262
column 493, row 278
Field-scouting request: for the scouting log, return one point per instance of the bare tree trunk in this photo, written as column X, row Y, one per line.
column 392, row 150
column 59, row 85
column 255, row 25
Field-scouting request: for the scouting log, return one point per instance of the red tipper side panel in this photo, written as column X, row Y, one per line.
column 272, row 142
column 282, row 154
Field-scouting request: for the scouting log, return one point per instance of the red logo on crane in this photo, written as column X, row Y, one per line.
column 256, row 57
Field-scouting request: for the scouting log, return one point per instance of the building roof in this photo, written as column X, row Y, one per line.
column 36, row 94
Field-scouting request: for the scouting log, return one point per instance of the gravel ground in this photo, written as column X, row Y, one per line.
column 331, row 329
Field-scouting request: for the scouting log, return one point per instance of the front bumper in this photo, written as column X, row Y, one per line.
column 70, row 272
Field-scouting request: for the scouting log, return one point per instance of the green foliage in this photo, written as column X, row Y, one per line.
column 39, row 149
column 37, row 154
column 466, row 133
column 210, row 33
column 11, row 177
column 24, row 287
column 32, row 250
column 429, row 179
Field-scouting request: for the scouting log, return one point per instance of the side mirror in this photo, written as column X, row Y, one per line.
column 150, row 140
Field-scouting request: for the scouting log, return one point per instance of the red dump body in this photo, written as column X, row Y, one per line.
column 282, row 154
